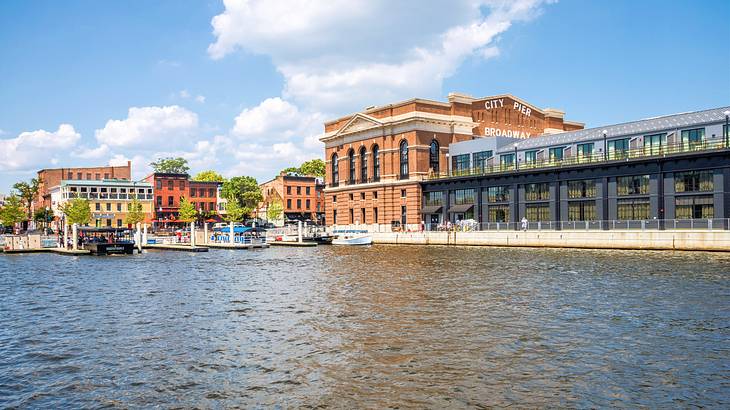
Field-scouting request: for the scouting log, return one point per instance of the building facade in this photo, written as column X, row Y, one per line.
column 169, row 189
column 301, row 197
column 664, row 172
column 376, row 159
column 109, row 199
column 203, row 195
column 50, row 178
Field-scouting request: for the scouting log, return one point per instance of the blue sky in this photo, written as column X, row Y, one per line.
column 243, row 87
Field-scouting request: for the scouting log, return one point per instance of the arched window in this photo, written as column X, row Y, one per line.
column 376, row 163
column 363, row 165
column 404, row 159
column 335, row 170
column 351, row 157
column 433, row 156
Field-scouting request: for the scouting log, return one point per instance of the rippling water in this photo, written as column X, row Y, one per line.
column 377, row 327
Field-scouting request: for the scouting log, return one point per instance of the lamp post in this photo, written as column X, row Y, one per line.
column 605, row 145
column 727, row 128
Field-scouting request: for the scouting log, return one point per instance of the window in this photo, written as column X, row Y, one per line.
column 498, row 194
column 692, row 139
column 362, row 195
column 106, row 176
column 119, row 223
column 98, row 206
column 97, row 176
column 335, row 170
column 694, row 181
column 307, row 189
column 537, row 192
column 463, row 196
column 695, row 207
column 351, row 197
column 584, row 151
column 70, row 175
column 352, row 216
column 376, row 163
column 119, row 207
column 402, row 193
column 288, row 190
column 108, row 222
column 498, row 213
column 633, row 185
column 404, row 159
column 375, row 215
column 480, row 160
column 582, row 211
column 618, row 149
column 288, row 203
column 403, row 215
column 334, row 199
column 88, row 175
column 633, row 209
column 582, row 189
column 299, row 190
column 433, row 198
column 363, row 165
column 460, row 164
column 433, row 156
column 307, row 205
column 537, row 212
column 653, row 143
column 78, row 175
column 170, row 201
column 193, row 193
column 334, row 216
column 530, row 157
column 507, row 161
column 351, row 159
column 375, row 194
column 170, row 184
column 159, row 201
column 299, row 204
column 201, row 193
column 362, row 215
column 556, row 153
column 211, row 192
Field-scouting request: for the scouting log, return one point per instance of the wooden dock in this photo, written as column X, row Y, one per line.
column 288, row 243
column 175, row 247
column 60, row 251
column 237, row 245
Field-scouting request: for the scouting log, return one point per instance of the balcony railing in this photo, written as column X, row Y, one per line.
column 94, row 195
column 627, row 155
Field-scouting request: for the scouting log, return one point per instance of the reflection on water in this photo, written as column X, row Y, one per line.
column 385, row 326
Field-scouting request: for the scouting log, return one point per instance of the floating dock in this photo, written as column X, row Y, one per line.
column 237, row 245
column 289, row 243
column 60, row 251
column 172, row 247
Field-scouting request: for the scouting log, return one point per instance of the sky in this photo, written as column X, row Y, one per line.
column 243, row 87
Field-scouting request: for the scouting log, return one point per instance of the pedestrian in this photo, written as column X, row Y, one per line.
column 524, row 223
column 423, row 225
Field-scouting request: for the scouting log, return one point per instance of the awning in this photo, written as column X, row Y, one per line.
column 460, row 209
column 434, row 209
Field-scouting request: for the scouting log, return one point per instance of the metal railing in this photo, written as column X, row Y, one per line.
column 94, row 195
column 625, row 155
column 711, row 224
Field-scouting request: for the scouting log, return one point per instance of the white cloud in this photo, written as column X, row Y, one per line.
column 140, row 165
column 341, row 55
column 200, row 99
column 147, row 127
column 275, row 120
column 92, row 153
column 184, row 94
column 33, row 149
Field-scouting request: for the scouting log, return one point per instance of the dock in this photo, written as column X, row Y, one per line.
column 288, row 243
column 60, row 251
column 172, row 247
column 237, row 245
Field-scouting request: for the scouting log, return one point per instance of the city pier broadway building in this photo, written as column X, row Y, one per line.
column 377, row 159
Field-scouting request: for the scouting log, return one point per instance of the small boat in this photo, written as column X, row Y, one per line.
column 352, row 237
column 107, row 241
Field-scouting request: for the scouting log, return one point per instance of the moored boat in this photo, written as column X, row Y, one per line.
column 352, row 237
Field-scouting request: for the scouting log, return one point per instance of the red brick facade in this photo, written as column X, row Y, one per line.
column 49, row 178
column 302, row 197
column 203, row 195
column 168, row 189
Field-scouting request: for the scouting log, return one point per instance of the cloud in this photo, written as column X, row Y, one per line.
column 184, row 94
column 147, row 127
column 200, row 99
column 275, row 120
column 33, row 149
column 342, row 55
column 140, row 165
column 92, row 153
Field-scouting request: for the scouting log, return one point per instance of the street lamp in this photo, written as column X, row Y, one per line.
column 727, row 128
column 605, row 145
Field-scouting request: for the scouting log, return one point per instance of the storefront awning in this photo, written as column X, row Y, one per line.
column 434, row 209
column 460, row 209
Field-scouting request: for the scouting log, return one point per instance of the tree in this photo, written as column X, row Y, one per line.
column 27, row 193
column 77, row 211
column 209, row 176
column 235, row 213
column 290, row 170
column 42, row 215
column 315, row 168
column 187, row 211
column 12, row 212
column 244, row 192
column 171, row 165
column 135, row 214
column 274, row 210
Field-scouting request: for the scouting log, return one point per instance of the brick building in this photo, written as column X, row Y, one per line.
column 50, row 178
column 168, row 190
column 302, row 197
column 203, row 195
column 376, row 158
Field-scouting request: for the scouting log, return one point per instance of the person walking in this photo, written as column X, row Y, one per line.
column 524, row 223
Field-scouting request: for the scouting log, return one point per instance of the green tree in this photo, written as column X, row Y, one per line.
column 209, row 176
column 315, row 168
column 235, row 213
column 27, row 193
column 188, row 213
column 290, row 170
column 274, row 210
column 171, row 165
column 77, row 211
column 12, row 212
column 43, row 215
column 244, row 191
column 135, row 214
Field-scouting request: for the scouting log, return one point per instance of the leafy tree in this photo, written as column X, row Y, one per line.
column 290, row 170
column 244, row 192
column 315, row 168
column 235, row 213
column 135, row 214
column 12, row 212
column 171, row 165
column 274, row 210
column 188, row 213
column 77, row 211
column 27, row 193
column 209, row 176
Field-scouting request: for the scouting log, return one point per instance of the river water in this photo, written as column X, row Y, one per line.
column 374, row 327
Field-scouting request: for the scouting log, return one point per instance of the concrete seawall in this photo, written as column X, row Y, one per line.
column 648, row 239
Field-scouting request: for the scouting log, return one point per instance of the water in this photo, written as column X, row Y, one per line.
column 378, row 327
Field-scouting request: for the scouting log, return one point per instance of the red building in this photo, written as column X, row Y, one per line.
column 203, row 196
column 169, row 189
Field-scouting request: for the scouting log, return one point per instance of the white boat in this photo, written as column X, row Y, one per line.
column 352, row 237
